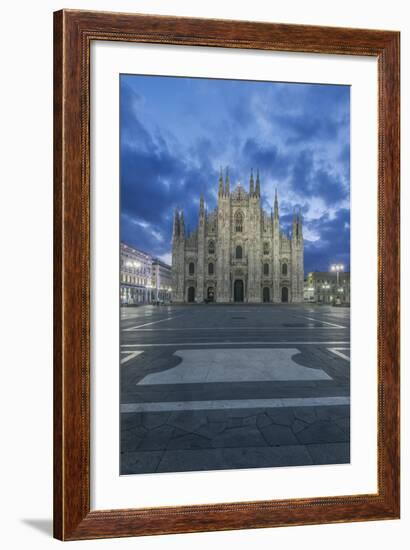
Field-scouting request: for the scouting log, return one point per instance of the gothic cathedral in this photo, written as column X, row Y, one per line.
column 238, row 252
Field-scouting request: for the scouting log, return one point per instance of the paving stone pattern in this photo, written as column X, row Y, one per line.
column 214, row 364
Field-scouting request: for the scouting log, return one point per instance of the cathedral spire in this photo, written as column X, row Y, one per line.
column 251, row 184
column 258, row 185
column 176, row 225
column 201, row 205
column 227, row 184
column 295, row 224
column 181, row 224
column 299, row 225
column 221, row 183
column 276, row 205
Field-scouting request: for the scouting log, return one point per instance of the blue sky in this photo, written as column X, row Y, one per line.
column 176, row 133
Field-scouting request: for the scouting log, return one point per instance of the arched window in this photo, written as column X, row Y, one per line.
column 284, row 269
column 191, row 268
column 239, row 222
column 266, row 269
column 210, row 268
column 211, row 247
column 238, row 252
column 266, row 248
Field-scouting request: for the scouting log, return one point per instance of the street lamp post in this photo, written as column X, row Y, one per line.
column 148, row 286
column 338, row 268
column 157, row 283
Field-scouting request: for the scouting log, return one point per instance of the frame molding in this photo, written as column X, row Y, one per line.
column 73, row 33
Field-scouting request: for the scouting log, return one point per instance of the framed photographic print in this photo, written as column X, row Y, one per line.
column 226, row 336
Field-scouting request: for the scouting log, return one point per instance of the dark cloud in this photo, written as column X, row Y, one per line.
column 316, row 182
column 333, row 245
column 310, row 129
column 266, row 158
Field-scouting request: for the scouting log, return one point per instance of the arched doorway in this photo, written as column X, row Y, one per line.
column 191, row 294
column 266, row 294
column 211, row 294
column 285, row 294
column 238, row 290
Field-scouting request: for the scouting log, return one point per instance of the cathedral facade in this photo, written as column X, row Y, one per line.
column 237, row 253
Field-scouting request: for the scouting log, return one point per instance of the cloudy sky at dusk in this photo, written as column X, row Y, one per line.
column 176, row 133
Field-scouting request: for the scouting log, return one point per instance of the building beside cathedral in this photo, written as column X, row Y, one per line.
column 237, row 253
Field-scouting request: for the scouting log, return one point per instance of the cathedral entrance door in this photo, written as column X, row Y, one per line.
column 191, row 294
column 285, row 294
column 238, row 291
column 266, row 294
column 211, row 294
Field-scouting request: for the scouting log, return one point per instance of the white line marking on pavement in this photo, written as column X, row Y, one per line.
column 131, row 355
column 234, row 328
column 336, row 316
column 146, row 324
column 262, row 343
column 324, row 322
column 234, row 404
column 337, row 351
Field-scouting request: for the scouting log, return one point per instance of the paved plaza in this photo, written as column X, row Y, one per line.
column 210, row 387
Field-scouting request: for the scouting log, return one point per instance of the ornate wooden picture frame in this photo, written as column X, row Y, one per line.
column 74, row 31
